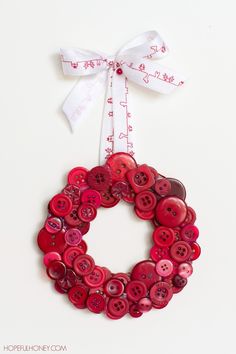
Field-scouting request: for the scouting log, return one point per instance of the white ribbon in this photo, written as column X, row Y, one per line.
column 134, row 62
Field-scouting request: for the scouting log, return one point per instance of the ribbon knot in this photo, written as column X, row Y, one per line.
column 135, row 62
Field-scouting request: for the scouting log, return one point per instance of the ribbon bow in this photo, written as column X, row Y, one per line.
column 134, row 62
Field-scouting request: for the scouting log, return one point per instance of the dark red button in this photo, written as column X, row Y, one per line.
column 162, row 186
column 72, row 218
column 163, row 236
column 189, row 233
column 134, row 311
column 177, row 188
column 56, row 270
column 69, row 280
column 96, row 278
column 120, row 189
column 146, row 200
column 145, row 271
column 78, row 176
column 179, row 282
column 171, row 211
column 108, row 200
column 117, row 307
column 160, row 292
column 96, row 303
column 83, row 264
column 157, row 253
column 73, row 192
column 140, row 178
column 119, row 71
column 196, row 251
column 60, row 205
column 51, row 242
column 135, row 290
column 119, row 164
column 144, row 215
column 53, row 224
column 70, row 254
column 114, row 287
column 92, row 197
column 180, row 251
column 99, row 178
column 78, row 296
column 87, row 212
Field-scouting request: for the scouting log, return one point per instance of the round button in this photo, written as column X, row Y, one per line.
column 69, row 280
column 189, row 233
column 135, row 290
column 196, row 251
column 117, row 307
column 72, row 218
column 145, row 304
column 144, row 215
column 119, row 71
column 83, row 246
column 87, row 212
column 119, row 164
column 83, row 264
column 92, row 197
column 130, row 198
column 73, row 237
column 161, row 292
column 123, row 277
column 177, row 188
column 96, row 303
column 114, row 287
column 70, row 254
column 162, row 186
column 50, row 257
column 154, row 172
column 171, row 211
column 83, row 227
column 157, row 253
column 145, row 271
column 78, row 176
column 120, row 189
column 185, row 270
column 134, row 311
column 73, row 192
column 60, row 205
column 56, row 270
column 179, row 282
column 96, row 278
column 164, row 267
column 180, row 251
column 108, row 200
column 163, row 236
column 145, row 200
column 51, row 242
column 190, row 218
column 53, row 224
column 78, row 296
column 140, row 178
column 99, row 178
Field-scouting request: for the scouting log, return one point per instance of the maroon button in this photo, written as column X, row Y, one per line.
column 83, row 264
column 117, row 307
column 196, row 251
column 99, row 178
column 120, row 189
column 162, row 186
column 145, row 271
column 179, row 282
column 145, row 304
column 87, row 212
column 73, row 192
column 108, row 200
column 135, row 290
column 69, row 280
column 73, row 237
column 171, row 211
column 78, row 296
column 190, row 218
column 180, row 251
column 119, row 164
column 78, row 176
column 125, row 278
column 50, row 257
column 134, row 311
column 96, row 278
column 51, row 242
column 53, row 224
column 96, row 303
column 119, row 71
column 177, row 188
column 160, row 292
column 140, row 178
column 163, row 236
column 70, row 254
column 144, row 215
column 114, row 287
column 56, row 270
column 72, row 218
column 92, row 197
column 146, row 200
column 157, row 253
column 189, row 233
column 60, row 205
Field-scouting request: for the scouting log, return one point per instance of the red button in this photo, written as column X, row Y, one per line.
column 73, row 237
column 130, row 198
column 96, row 303
column 83, row 264
column 108, row 273
column 50, row 257
column 70, row 254
column 134, row 311
column 163, row 236
column 190, row 218
column 73, row 192
column 171, row 211
column 196, row 251
column 78, row 176
column 51, row 242
column 87, row 212
column 135, row 290
column 117, row 307
column 180, row 251
column 72, row 218
column 83, row 227
column 157, row 253
column 177, row 188
column 146, row 200
column 99, row 178
column 114, row 287
column 145, row 304
column 144, row 215
column 119, row 71
column 164, row 267
column 161, row 292
column 56, row 270
column 125, row 278
column 60, row 205
column 179, row 282
column 119, row 164
column 108, row 200
column 83, row 246
column 53, row 224
column 140, row 178
column 96, row 278
column 78, row 296
column 189, row 233
column 69, row 280
column 162, row 186
column 145, row 271
column 120, row 189
column 92, row 197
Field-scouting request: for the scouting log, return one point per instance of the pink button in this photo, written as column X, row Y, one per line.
column 185, row 270
column 50, row 257
column 164, row 267
column 73, row 237
column 145, row 304
column 53, row 225
column 92, row 197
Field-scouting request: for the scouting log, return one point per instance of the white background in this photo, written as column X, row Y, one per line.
column 189, row 135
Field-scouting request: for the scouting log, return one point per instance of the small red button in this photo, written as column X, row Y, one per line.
column 78, row 176
column 134, row 311
column 114, row 287
column 83, row 227
column 179, row 282
column 180, row 251
column 196, row 251
column 108, row 200
column 96, row 278
column 140, row 178
column 189, row 233
column 78, row 296
column 83, row 246
column 117, row 307
column 146, row 200
column 185, row 270
column 144, row 215
column 190, row 217
column 53, row 224
column 72, row 218
column 56, row 270
column 157, row 253
column 162, row 186
column 171, row 211
column 87, row 212
column 51, row 242
column 73, row 237
column 73, row 192
column 99, row 178
column 83, row 264
column 119, row 164
column 60, row 205
column 125, row 278
column 92, row 197
column 161, row 292
column 119, row 71
column 145, row 304
column 70, row 254
column 163, row 236
column 120, row 189
column 50, row 257
column 135, row 290
column 96, row 303
column 146, row 272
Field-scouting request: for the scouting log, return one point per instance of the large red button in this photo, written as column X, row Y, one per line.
column 78, row 176
column 119, row 164
column 56, row 270
column 163, row 236
column 78, row 296
column 83, row 264
column 99, row 178
column 161, row 292
column 60, row 205
column 171, row 211
column 180, row 251
column 70, row 254
column 108, row 200
column 92, row 197
column 114, row 287
column 117, row 307
column 140, row 178
column 135, row 290
column 96, row 278
column 145, row 271
column 96, row 303
column 146, row 200
column 51, row 242
column 87, row 212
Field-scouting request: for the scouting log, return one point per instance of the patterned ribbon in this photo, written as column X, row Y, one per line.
column 135, row 62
